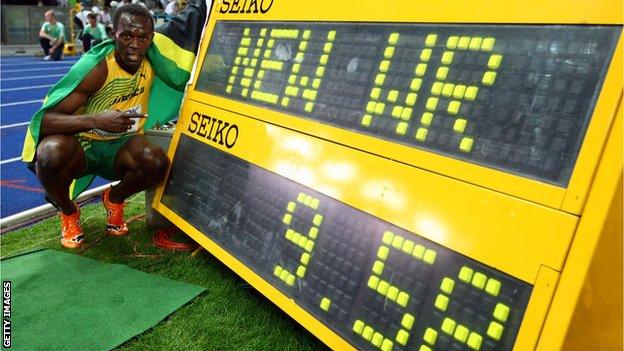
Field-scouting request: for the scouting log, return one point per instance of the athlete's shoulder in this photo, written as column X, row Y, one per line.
column 95, row 79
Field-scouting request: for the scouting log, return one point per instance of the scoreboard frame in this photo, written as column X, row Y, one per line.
column 547, row 205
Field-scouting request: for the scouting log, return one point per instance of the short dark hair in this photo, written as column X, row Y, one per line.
column 133, row 9
column 91, row 15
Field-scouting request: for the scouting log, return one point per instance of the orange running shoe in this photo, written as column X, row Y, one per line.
column 115, row 224
column 71, row 230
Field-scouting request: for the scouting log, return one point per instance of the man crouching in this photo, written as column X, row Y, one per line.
column 97, row 129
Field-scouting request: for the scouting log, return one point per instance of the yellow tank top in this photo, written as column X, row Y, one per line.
column 121, row 91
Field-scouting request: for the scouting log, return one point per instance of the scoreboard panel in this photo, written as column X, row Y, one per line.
column 514, row 98
column 260, row 219
column 397, row 179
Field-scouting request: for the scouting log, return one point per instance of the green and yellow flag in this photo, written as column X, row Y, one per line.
column 172, row 55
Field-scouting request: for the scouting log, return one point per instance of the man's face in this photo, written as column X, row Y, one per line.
column 132, row 38
column 92, row 21
column 49, row 16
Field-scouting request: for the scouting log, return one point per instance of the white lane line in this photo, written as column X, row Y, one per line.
column 33, row 69
column 14, row 125
column 5, row 67
column 18, row 64
column 10, row 160
column 26, row 88
column 33, row 77
column 14, row 60
column 21, row 103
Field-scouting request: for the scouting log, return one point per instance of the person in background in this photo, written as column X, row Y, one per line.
column 164, row 3
column 104, row 17
column 52, row 37
column 80, row 20
column 175, row 7
column 93, row 34
column 96, row 10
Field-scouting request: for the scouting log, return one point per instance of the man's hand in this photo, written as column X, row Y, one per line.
column 114, row 121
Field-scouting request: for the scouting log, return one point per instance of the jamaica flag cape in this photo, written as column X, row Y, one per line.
column 172, row 55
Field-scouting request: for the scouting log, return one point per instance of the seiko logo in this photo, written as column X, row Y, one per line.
column 213, row 129
column 245, row 6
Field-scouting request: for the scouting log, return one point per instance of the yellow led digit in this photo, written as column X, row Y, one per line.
column 391, row 293
column 305, row 242
column 461, row 333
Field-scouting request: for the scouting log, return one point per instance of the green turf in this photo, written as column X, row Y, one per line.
column 231, row 315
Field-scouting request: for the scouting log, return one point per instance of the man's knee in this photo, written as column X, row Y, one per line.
column 57, row 154
column 154, row 161
column 44, row 42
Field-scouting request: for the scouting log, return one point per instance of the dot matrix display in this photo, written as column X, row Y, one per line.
column 376, row 285
column 516, row 98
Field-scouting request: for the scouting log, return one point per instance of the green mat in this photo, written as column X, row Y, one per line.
column 62, row 301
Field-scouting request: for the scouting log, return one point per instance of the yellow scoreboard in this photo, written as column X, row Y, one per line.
column 412, row 175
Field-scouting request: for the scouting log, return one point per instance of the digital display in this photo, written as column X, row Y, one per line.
column 376, row 285
column 512, row 97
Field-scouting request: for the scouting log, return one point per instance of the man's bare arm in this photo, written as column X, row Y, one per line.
column 61, row 120
column 43, row 34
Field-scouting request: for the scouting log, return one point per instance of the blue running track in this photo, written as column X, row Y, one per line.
column 24, row 82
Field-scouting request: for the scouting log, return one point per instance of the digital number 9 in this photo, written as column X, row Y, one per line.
column 303, row 241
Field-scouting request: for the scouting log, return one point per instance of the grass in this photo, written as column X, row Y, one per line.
column 230, row 315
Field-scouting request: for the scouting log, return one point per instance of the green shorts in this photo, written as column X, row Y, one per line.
column 100, row 155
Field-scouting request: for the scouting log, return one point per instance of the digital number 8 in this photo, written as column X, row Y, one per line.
column 304, row 241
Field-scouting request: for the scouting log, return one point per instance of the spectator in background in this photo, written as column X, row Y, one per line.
column 52, row 37
column 80, row 20
column 104, row 16
column 95, row 9
column 164, row 3
column 93, row 34
column 175, row 7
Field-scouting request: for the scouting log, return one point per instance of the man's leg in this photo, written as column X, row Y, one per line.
column 58, row 52
column 139, row 165
column 86, row 42
column 45, row 45
column 60, row 159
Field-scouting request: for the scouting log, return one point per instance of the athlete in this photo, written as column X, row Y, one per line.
column 97, row 129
